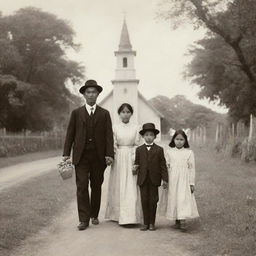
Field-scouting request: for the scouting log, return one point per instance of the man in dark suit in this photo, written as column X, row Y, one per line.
column 150, row 165
column 90, row 135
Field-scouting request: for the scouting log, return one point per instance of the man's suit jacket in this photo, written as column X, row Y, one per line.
column 152, row 163
column 76, row 134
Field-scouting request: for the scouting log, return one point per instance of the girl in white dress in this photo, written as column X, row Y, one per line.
column 181, row 203
column 123, row 204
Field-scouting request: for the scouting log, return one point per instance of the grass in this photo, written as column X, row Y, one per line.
column 223, row 185
column 7, row 161
column 27, row 208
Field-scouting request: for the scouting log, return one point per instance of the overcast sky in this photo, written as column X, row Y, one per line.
column 160, row 50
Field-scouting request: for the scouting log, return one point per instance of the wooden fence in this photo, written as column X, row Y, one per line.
column 231, row 139
column 17, row 144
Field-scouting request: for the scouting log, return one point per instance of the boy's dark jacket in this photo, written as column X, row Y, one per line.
column 151, row 162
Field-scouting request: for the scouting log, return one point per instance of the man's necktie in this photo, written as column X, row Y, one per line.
column 91, row 114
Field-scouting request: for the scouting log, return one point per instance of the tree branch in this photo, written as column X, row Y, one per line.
column 201, row 13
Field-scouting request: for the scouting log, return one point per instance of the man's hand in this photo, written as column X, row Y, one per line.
column 135, row 169
column 65, row 158
column 192, row 188
column 165, row 185
column 109, row 160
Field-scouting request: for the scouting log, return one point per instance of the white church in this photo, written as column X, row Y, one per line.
column 126, row 87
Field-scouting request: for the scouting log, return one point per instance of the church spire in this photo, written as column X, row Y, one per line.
column 125, row 44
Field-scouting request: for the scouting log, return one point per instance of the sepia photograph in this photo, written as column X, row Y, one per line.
column 128, row 128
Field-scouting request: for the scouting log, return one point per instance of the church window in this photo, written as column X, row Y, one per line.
column 125, row 62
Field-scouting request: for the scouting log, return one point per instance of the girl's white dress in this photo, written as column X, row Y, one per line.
column 123, row 200
column 180, row 202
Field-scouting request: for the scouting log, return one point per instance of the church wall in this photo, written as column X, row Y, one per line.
column 125, row 92
column 108, row 104
column 144, row 113
column 147, row 115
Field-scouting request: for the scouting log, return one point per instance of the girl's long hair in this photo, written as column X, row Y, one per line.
column 179, row 132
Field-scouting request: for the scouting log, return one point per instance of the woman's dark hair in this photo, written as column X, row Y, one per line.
column 125, row 105
column 179, row 132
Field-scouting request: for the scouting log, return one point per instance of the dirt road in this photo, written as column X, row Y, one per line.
column 13, row 175
column 62, row 238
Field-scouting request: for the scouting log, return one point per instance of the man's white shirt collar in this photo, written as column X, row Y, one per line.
column 89, row 108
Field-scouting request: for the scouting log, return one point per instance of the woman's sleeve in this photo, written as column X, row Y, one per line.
column 191, row 167
column 137, row 142
column 138, row 137
column 115, row 139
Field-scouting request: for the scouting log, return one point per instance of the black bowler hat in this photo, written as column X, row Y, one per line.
column 90, row 83
column 149, row 127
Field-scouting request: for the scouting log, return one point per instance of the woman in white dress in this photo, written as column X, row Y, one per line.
column 123, row 203
column 181, row 203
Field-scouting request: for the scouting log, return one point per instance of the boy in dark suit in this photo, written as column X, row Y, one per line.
column 150, row 166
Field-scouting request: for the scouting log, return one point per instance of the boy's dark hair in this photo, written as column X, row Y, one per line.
column 179, row 132
column 125, row 105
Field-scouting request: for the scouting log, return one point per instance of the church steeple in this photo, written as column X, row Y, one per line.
column 125, row 82
column 125, row 57
column 125, row 44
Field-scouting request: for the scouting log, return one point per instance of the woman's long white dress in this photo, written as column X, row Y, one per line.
column 123, row 200
column 181, row 203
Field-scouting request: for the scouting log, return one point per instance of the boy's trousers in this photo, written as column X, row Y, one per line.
column 149, row 199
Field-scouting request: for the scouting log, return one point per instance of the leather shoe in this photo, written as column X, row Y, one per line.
column 83, row 225
column 152, row 227
column 183, row 227
column 176, row 225
column 95, row 221
column 144, row 228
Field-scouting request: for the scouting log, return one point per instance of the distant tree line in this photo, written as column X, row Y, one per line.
column 34, row 70
column 224, row 62
column 179, row 113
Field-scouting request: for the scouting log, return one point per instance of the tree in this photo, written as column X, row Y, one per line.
column 33, row 44
column 179, row 113
column 231, row 26
column 10, row 103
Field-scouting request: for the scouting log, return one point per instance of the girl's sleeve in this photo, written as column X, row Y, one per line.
column 191, row 167
column 137, row 142
column 167, row 157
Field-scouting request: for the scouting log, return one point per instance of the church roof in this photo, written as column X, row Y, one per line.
column 140, row 97
column 125, row 44
column 150, row 105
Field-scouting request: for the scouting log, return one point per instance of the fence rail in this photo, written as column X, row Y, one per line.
column 12, row 145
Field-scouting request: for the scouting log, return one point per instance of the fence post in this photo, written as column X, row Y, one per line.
column 251, row 128
column 217, row 133
column 193, row 136
column 204, row 138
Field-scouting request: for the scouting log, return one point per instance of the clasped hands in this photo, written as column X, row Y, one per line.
column 135, row 169
column 109, row 160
